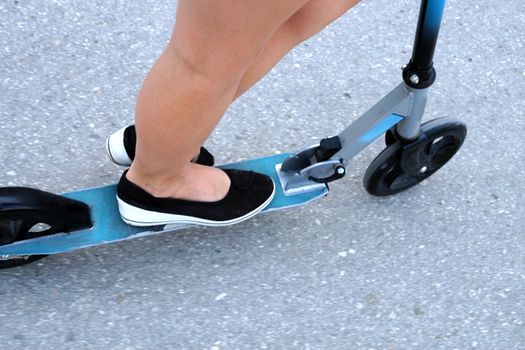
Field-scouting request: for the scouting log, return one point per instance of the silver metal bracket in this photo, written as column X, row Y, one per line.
column 303, row 173
column 323, row 170
column 293, row 183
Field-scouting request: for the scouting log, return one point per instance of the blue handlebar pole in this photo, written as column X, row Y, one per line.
column 429, row 22
column 421, row 63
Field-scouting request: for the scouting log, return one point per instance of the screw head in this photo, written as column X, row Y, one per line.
column 340, row 170
column 423, row 170
column 414, row 79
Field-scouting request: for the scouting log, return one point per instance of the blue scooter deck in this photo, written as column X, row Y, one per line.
column 108, row 227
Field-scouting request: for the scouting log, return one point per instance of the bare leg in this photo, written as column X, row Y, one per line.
column 203, row 96
column 308, row 21
column 214, row 43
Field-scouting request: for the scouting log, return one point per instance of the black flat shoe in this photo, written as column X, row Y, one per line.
column 120, row 147
column 249, row 193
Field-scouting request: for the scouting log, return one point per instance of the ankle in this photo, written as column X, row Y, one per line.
column 158, row 184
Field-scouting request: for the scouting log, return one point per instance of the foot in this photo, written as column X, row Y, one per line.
column 198, row 183
column 120, row 147
column 205, row 196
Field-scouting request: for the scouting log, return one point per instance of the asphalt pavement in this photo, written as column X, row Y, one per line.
column 440, row 266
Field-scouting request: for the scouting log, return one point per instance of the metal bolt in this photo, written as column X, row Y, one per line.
column 414, row 79
column 423, row 170
column 340, row 170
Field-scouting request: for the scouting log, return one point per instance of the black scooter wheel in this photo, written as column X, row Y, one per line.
column 19, row 261
column 387, row 174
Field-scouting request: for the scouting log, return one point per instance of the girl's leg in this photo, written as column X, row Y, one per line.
column 189, row 88
column 307, row 21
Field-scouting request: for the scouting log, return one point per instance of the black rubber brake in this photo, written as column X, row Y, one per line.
column 22, row 208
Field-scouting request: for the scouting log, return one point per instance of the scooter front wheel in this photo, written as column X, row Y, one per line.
column 401, row 166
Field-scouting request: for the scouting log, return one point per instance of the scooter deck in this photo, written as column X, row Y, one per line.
column 108, row 227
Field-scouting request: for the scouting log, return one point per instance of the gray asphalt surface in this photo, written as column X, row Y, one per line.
column 441, row 266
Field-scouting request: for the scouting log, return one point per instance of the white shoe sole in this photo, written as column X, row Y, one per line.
column 116, row 150
column 140, row 217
